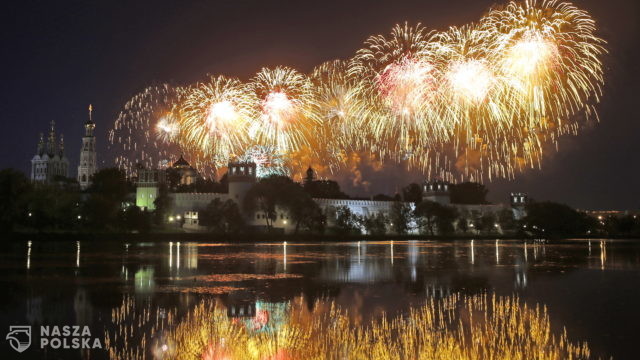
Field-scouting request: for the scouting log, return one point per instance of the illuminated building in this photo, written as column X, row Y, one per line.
column 88, row 158
column 241, row 177
column 49, row 161
column 439, row 192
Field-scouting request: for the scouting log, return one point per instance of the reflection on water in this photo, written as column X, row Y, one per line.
column 292, row 300
column 454, row 327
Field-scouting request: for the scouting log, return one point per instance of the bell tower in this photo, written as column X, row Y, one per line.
column 88, row 158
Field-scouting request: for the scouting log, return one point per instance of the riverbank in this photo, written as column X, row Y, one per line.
column 262, row 237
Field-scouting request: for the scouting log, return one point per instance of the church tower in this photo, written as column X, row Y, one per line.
column 88, row 160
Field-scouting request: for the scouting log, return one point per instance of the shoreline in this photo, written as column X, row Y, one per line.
column 263, row 237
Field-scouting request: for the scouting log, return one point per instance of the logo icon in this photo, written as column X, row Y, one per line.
column 19, row 337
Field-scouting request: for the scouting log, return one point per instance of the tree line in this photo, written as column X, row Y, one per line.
column 108, row 205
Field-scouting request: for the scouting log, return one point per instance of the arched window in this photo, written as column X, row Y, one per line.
column 84, row 178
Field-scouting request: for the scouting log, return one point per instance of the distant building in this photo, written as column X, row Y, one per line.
column 518, row 205
column 439, row 191
column 148, row 187
column 436, row 191
column 49, row 161
column 604, row 214
column 188, row 175
column 243, row 175
column 88, row 158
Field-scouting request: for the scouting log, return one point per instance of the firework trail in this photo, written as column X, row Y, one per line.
column 268, row 161
column 285, row 98
column 145, row 130
column 215, row 118
column 399, row 85
column 474, row 102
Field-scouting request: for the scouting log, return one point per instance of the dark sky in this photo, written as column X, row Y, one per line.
column 59, row 56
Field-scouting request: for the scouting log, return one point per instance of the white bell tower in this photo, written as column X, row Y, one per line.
column 88, row 159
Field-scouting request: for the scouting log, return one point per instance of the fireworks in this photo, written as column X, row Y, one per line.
column 167, row 129
column 399, row 84
column 215, row 116
column 470, row 80
column 268, row 161
column 478, row 101
column 453, row 327
column 145, row 130
column 284, row 100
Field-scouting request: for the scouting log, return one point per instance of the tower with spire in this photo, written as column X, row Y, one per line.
column 49, row 162
column 88, row 159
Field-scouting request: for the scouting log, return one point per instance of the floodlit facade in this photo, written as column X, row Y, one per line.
column 185, row 207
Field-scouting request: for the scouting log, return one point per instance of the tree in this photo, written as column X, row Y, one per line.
column 553, row 219
column 108, row 193
column 434, row 216
column 346, row 221
column 52, row 206
column 412, row 193
column 135, row 219
column 14, row 187
column 445, row 217
column 276, row 192
column 468, row 193
column 111, row 182
column 506, row 220
column 487, row 222
column 308, row 216
column 463, row 224
column 621, row 225
column 426, row 212
column 400, row 217
column 305, row 213
column 162, row 204
column 375, row 224
column 222, row 217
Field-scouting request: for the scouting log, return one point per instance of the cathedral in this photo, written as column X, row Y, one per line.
column 50, row 163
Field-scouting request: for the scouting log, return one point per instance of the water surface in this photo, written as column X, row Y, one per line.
column 589, row 287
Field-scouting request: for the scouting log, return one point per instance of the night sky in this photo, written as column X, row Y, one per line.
column 57, row 57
